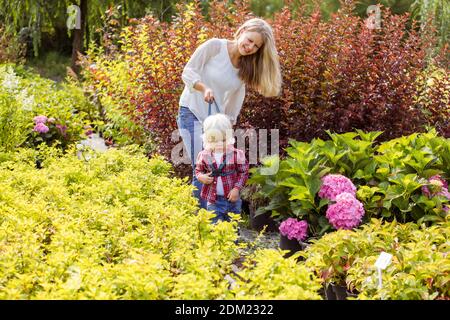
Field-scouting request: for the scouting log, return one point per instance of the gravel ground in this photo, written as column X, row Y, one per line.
column 268, row 240
column 251, row 240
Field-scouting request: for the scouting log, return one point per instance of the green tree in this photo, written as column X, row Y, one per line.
column 434, row 13
column 34, row 18
column 265, row 8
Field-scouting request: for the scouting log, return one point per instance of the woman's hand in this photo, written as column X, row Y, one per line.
column 233, row 196
column 208, row 95
column 205, row 178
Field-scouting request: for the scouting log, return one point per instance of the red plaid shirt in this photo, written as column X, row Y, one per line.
column 236, row 162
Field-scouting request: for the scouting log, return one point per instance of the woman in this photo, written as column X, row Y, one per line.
column 218, row 72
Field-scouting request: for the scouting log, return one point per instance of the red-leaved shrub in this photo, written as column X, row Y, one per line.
column 338, row 75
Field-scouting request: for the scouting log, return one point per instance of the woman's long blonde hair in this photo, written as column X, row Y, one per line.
column 261, row 70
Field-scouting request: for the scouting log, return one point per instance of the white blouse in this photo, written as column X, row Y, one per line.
column 211, row 64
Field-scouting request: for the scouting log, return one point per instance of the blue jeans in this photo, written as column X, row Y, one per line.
column 191, row 132
column 222, row 207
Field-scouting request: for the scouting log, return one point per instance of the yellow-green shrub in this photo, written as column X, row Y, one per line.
column 115, row 227
column 419, row 270
column 268, row 275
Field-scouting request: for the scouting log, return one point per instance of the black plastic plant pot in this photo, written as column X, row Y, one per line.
column 38, row 163
column 245, row 207
column 340, row 291
column 352, row 294
column 329, row 292
column 258, row 222
column 287, row 244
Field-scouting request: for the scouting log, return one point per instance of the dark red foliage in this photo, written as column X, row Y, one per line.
column 340, row 75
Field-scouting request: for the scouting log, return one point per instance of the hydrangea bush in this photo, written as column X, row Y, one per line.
column 335, row 184
column 50, row 131
column 389, row 179
column 346, row 213
column 294, row 229
column 437, row 187
column 34, row 110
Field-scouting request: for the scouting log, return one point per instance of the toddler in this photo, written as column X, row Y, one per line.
column 221, row 168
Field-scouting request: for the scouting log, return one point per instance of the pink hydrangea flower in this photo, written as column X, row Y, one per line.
column 294, row 229
column 40, row 119
column 41, row 128
column 62, row 129
column 346, row 213
column 436, row 187
column 334, row 184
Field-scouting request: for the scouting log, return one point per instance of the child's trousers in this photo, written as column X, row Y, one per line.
column 222, row 207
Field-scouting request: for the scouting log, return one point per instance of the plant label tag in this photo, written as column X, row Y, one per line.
column 383, row 260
